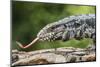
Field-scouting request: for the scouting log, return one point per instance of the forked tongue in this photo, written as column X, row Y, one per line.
column 33, row 42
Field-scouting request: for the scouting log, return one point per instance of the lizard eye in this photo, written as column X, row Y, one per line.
column 53, row 27
column 77, row 23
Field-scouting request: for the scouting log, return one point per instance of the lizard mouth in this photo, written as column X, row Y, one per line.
column 31, row 43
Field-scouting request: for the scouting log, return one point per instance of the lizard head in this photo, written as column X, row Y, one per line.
column 51, row 32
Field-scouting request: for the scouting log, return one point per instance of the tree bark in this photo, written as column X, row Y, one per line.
column 49, row 56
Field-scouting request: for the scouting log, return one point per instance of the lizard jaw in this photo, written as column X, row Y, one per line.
column 33, row 42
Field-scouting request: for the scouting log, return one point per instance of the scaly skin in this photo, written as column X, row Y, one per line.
column 82, row 26
column 78, row 27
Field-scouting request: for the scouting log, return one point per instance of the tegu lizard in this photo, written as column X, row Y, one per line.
column 78, row 27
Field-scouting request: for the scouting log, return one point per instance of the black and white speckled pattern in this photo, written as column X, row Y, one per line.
column 79, row 26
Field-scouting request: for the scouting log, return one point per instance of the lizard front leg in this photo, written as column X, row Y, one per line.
column 78, row 34
column 67, row 35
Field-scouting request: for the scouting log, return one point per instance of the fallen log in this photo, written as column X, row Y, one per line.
column 49, row 56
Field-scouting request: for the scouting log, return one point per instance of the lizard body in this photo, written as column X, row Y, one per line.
column 78, row 27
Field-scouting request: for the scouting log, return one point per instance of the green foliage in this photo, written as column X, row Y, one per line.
column 29, row 17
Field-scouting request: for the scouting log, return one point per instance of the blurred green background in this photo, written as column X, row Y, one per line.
column 28, row 18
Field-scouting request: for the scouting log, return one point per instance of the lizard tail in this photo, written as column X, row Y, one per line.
column 34, row 41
